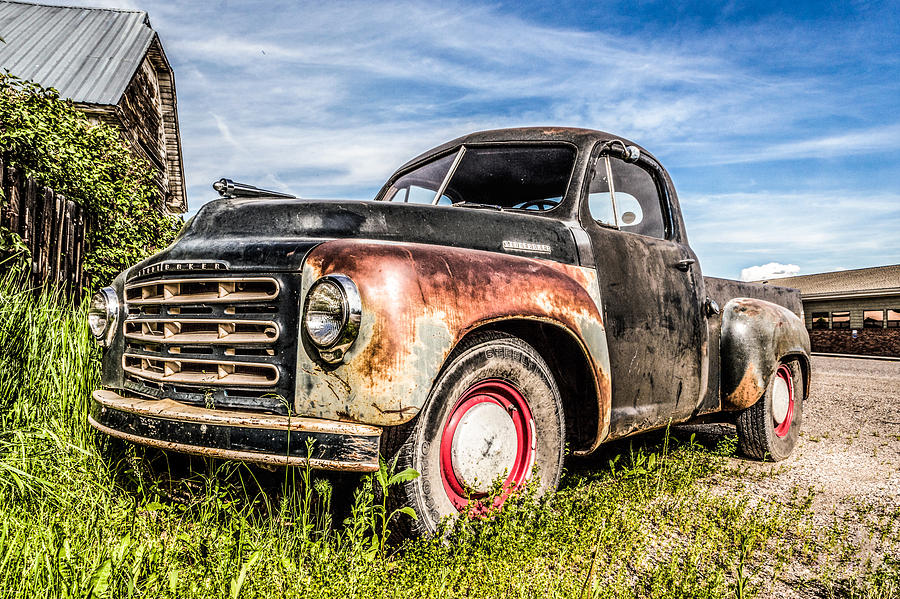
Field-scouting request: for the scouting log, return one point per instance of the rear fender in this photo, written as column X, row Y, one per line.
column 756, row 335
column 418, row 302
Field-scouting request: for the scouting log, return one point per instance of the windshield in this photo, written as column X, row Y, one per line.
column 522, row 177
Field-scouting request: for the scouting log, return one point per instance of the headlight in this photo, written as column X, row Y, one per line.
column 331, row 315
column 102, row 315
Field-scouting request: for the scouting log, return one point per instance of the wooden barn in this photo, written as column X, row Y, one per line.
column 111, row 64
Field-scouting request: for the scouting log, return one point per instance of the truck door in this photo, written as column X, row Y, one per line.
column 653, row 296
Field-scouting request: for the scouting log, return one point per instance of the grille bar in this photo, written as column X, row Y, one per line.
column 201, row 372
column 206, row 331
column 218, row 290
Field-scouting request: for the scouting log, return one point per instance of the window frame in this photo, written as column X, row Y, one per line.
column 888, row 320
column 825, row 326
column 651, row 167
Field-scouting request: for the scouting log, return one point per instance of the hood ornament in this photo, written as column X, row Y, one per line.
column 231, row 189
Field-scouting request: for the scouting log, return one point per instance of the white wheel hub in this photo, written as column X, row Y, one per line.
column 484, row 446
column 781, row 399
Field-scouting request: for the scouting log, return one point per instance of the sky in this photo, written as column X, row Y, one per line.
column 778, row 122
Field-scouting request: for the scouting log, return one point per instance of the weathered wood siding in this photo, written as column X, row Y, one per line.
column 140, row 113
column 51, row 226
column 177, row 200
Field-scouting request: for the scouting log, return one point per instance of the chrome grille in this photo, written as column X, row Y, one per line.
column 193, row 339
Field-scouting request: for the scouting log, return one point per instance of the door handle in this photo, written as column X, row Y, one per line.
column 685, row 264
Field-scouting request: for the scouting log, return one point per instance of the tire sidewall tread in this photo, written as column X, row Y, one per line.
column 756, row 432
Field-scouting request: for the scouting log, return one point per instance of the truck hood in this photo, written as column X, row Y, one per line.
column 276, row 235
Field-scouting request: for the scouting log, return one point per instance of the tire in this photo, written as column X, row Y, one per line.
column 494, row 409
column 769, row 429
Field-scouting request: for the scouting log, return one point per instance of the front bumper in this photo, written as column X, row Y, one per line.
column 237, row 435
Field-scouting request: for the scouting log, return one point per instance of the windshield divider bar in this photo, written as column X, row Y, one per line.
column 450, row 173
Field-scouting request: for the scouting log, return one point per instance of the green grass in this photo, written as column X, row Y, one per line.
column 81, row 515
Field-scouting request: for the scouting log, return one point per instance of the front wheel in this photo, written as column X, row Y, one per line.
column 493, row 421
column 769, row 429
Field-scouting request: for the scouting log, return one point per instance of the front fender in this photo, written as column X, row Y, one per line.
column 418, row 302
column 756, row 334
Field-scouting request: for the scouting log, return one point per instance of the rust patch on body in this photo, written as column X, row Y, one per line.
column 419, row 301
column 747, row 392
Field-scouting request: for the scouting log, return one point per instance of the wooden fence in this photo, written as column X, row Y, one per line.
column 51, row 226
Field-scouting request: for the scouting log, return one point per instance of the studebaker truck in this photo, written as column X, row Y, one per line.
column 506, row 295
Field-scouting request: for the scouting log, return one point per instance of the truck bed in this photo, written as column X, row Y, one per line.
column 722, row 290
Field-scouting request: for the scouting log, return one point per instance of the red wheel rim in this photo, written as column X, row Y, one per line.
column 504, row 394
column 784, row 373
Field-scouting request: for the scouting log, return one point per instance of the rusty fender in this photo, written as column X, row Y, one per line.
column 756, row 334
column 418, row 302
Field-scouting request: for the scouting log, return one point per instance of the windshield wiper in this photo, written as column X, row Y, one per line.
column 477, row 205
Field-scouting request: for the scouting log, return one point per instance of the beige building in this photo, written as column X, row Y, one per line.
column 851, row 311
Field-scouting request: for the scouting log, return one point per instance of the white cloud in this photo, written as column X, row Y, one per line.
column 772, row 270
column 819, row 230
column 847, row 143
column 281, row 88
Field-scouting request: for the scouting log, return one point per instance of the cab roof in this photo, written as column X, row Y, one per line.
column 574, row 135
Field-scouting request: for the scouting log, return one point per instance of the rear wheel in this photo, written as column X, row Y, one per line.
column 769, row 429
column 494, row 417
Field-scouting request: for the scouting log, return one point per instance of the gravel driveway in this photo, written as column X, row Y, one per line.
column 850, row 441
column 849, row 455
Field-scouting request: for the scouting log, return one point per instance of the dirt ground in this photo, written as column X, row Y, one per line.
column 849, row 455
column 850, row 441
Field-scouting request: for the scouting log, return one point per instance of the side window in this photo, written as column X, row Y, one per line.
column 420, row 185
column 820, row 320
column 840, row 320
column 420, row 195
column 631, row 203
column 599, row 196
column 873, row 319
column 636, row 199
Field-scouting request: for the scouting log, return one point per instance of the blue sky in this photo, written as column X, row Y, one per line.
column 779, row 122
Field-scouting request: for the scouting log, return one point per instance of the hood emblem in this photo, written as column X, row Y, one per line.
column 173, row 266
column 525, row 246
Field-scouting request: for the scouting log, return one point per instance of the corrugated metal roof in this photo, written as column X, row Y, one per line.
column 87, row 54
column 844, row 281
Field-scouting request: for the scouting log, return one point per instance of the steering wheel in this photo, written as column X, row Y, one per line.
column 542, row 204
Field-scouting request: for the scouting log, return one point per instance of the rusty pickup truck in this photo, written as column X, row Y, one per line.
column 507, row 295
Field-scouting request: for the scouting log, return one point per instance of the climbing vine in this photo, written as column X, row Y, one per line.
column 92, row 164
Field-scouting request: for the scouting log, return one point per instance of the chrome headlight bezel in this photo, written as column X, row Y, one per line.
column 332, row 351
column 104, row 302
